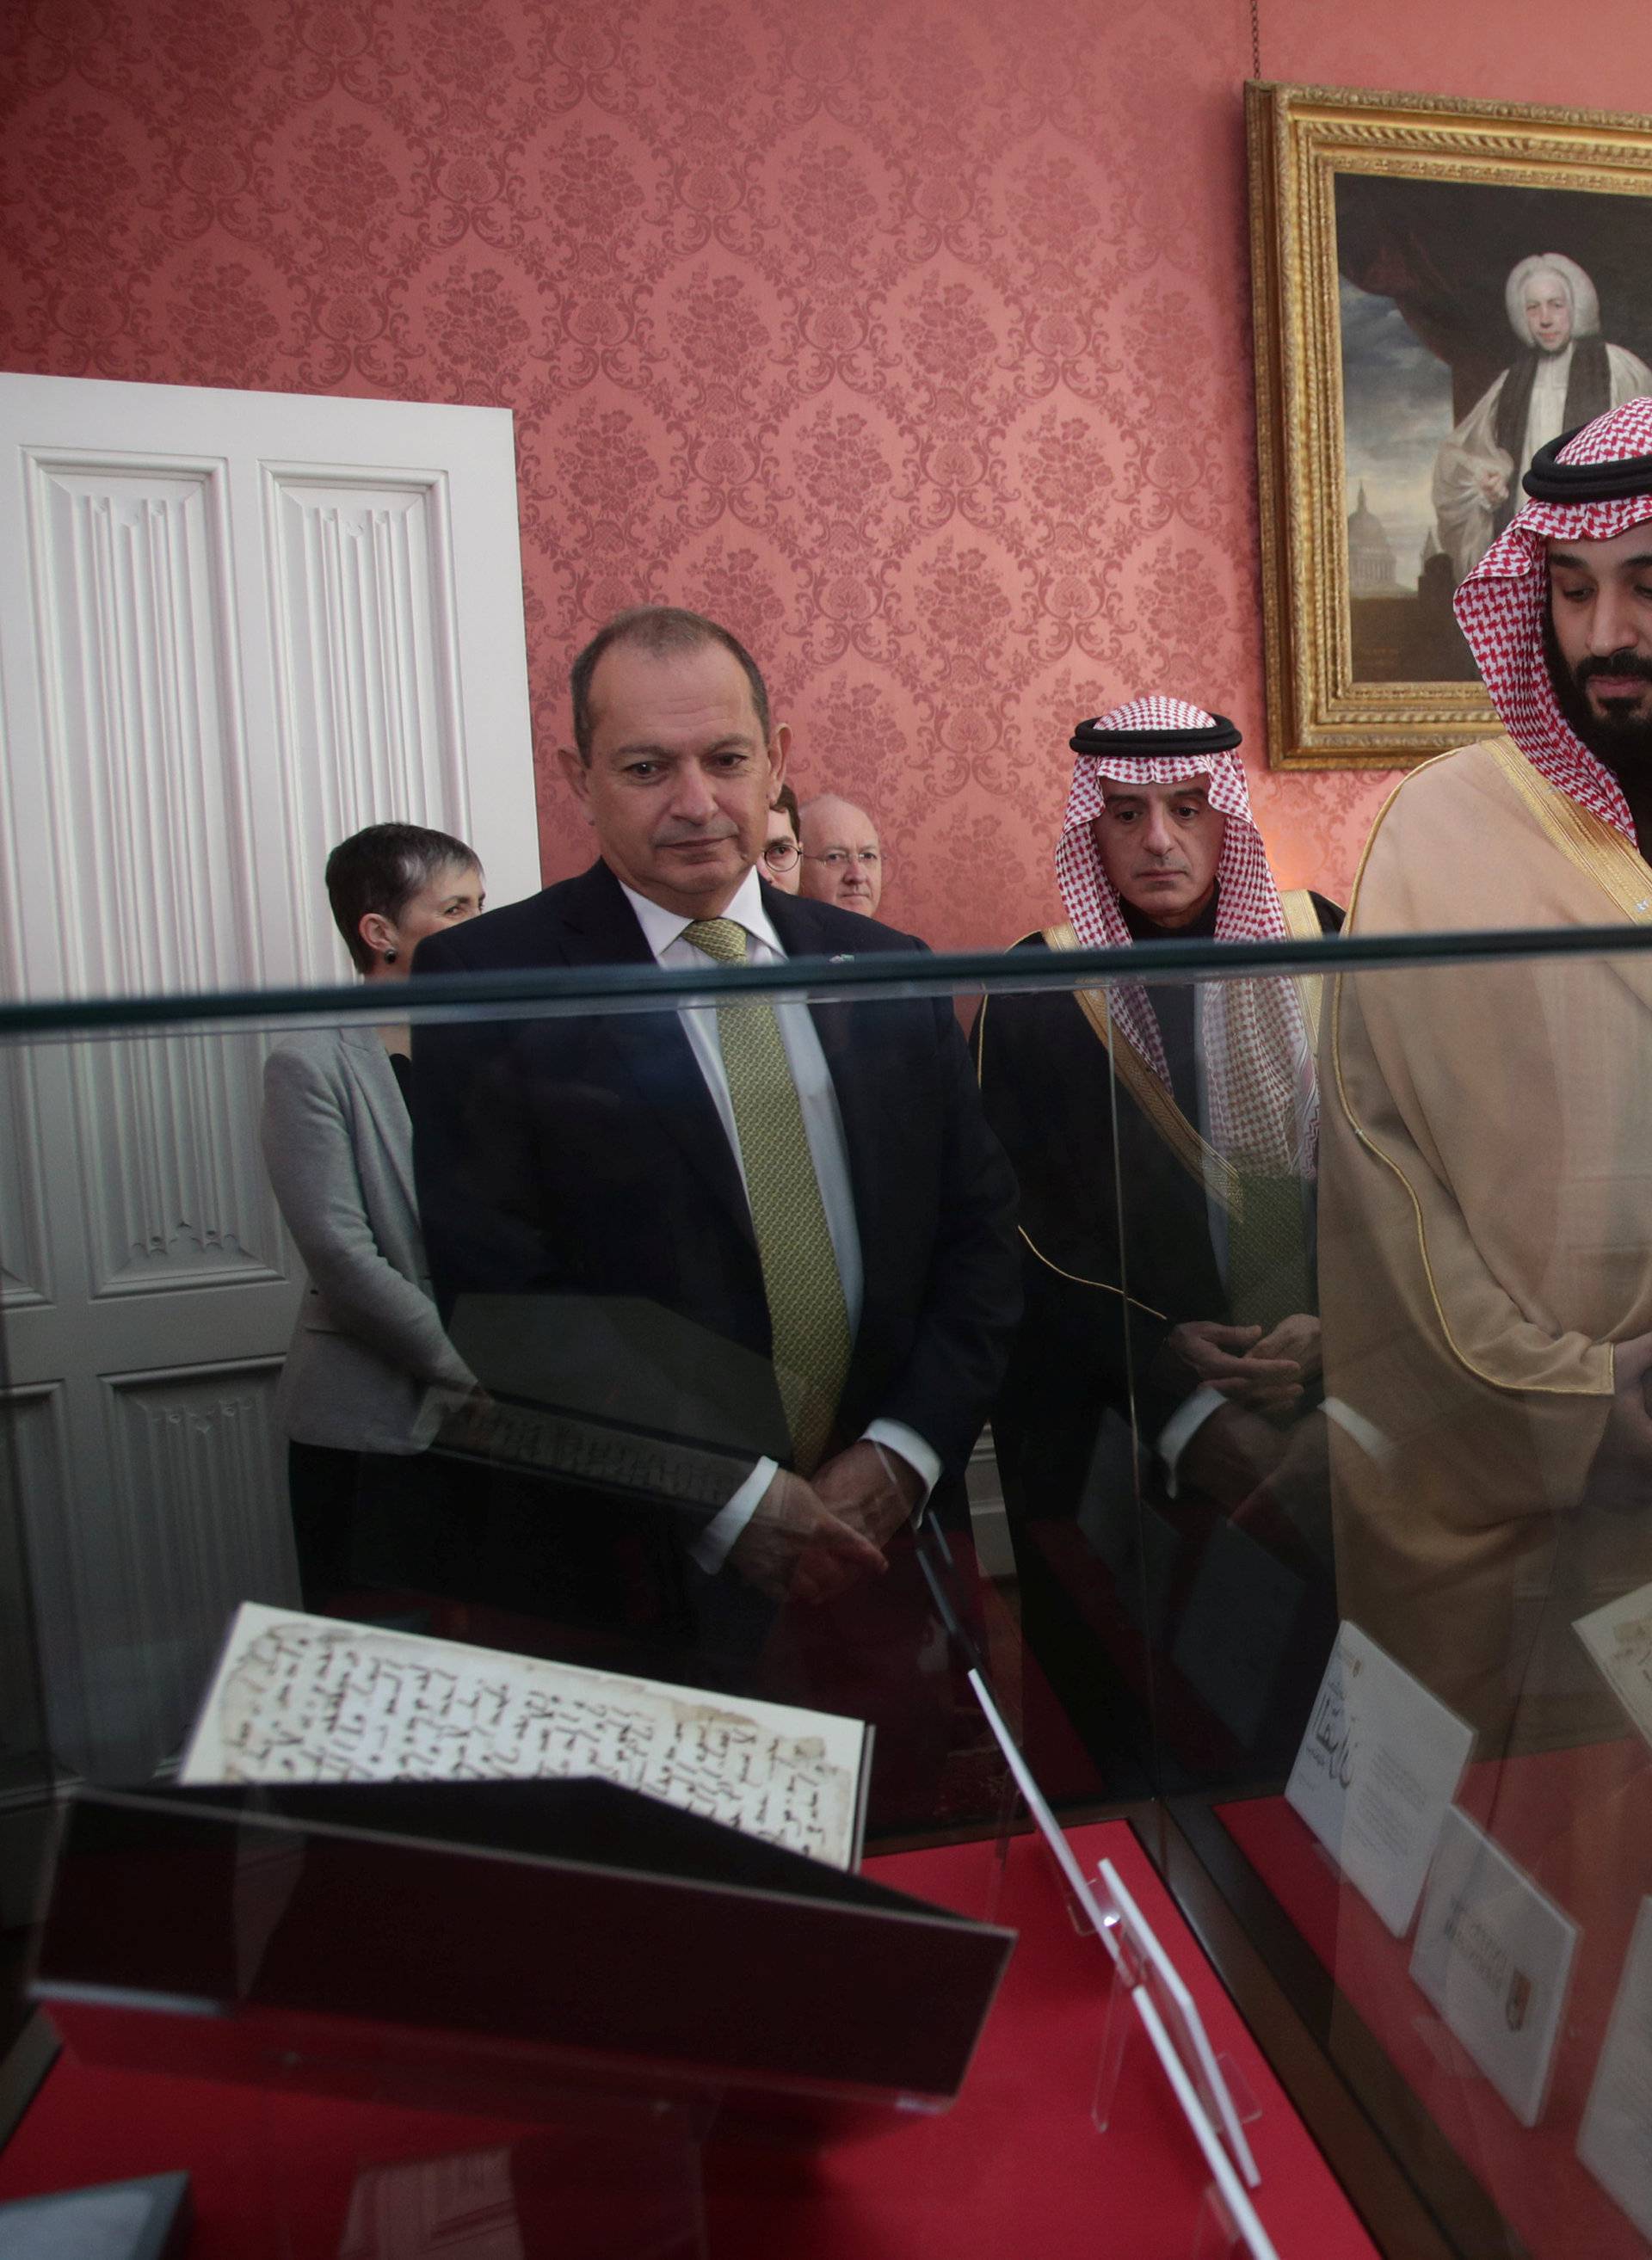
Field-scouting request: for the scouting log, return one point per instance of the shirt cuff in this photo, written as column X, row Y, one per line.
column 923, row 1459
column 1183, row 1425
column 712, row 1548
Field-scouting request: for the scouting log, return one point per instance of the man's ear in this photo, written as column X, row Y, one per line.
column 577, row 774
column 377, row 931
column 779, row 748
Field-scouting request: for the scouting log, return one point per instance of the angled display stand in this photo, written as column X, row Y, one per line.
column 1017, row 2164
column 524, row 1940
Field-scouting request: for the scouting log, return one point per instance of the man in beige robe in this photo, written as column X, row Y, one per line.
column 1486, row 1160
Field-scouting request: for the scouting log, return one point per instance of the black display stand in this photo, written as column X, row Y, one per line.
column 504, row 1945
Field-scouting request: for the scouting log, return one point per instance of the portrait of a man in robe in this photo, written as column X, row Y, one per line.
column 1477, row 321
column 1563, row 374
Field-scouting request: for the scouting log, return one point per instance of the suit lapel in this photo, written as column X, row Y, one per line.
column 600, row 928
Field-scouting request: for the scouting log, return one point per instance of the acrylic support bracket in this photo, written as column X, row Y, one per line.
column 1232, row 2207
column 1216, row 2078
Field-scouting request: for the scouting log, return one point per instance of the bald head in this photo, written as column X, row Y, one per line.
column 841, row 859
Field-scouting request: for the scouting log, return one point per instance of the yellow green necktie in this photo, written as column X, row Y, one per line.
column 806, row 1314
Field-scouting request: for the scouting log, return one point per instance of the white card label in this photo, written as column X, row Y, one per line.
column 1378, row 1766
column 1619, row 1637
column 1493, row 1954
column 1615, row 2139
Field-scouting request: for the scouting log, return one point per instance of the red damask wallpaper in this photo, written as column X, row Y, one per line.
column 911, row 339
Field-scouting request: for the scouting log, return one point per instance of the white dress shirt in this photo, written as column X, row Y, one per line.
column 665, row 933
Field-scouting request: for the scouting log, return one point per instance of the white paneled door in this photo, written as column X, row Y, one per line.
column 234, row 628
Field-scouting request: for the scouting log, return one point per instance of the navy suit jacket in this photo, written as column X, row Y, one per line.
column 581, row 1159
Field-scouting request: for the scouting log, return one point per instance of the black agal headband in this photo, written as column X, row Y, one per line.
column 1148, row 745
column 1549, row 480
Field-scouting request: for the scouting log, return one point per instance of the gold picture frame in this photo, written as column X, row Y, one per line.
column 1455, row 184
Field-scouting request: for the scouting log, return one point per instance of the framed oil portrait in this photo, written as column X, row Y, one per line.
column 1441, row 287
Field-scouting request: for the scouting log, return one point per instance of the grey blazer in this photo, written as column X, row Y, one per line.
column 368, row 1344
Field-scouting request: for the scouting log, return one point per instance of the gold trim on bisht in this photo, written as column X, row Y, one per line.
column 1201, row 1161
column 1598, row 848
column 1075, row 1278
column 1600, row 851
column 1302, row 924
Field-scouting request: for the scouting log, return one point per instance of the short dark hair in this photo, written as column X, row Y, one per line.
column 787, row 800
column 381, row 870
column 662, row 631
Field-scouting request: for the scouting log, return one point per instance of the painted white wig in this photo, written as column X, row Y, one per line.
column 1585, row 306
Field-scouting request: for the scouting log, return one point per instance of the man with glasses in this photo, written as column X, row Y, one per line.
column 842, row 862
column 782, row 862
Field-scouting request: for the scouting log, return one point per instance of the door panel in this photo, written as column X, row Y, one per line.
column 369, row 671
column 240, row 627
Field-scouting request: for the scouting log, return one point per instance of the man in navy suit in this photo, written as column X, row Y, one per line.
column 638, row 1184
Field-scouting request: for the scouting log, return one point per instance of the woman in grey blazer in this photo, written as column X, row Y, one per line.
column 356, row 1394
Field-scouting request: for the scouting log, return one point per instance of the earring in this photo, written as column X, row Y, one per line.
column 389, row 957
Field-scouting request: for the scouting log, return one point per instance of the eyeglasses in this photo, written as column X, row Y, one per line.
column 836, row 858
column 781, row 854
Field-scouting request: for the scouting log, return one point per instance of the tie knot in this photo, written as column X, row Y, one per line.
column 721, row 938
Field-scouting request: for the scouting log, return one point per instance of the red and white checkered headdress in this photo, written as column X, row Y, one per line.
column 1502, row 606
column 1258, row 1060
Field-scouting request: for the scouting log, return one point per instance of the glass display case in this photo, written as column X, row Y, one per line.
column 1226, row 1359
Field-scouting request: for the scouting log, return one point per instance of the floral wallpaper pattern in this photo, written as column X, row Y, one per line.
column 912, row 339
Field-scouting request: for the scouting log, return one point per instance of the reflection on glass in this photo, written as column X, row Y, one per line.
column 1159, row 1435
column 1459, row 1492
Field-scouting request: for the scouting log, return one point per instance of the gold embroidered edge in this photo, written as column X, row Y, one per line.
column 1201, row 1161
column 1302, row 924
column 1598, row 848
column 1076, row 1278
column 1370, row 1145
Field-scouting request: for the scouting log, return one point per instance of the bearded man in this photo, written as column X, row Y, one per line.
column 1193, row 1106
column 1486, row 1208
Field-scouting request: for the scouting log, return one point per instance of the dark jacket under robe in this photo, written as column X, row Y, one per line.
column 1099, row 1306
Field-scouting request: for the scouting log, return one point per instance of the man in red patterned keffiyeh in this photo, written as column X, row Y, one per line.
column 1158, row 791
column 1486, row 1217
column 1194, row 1104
